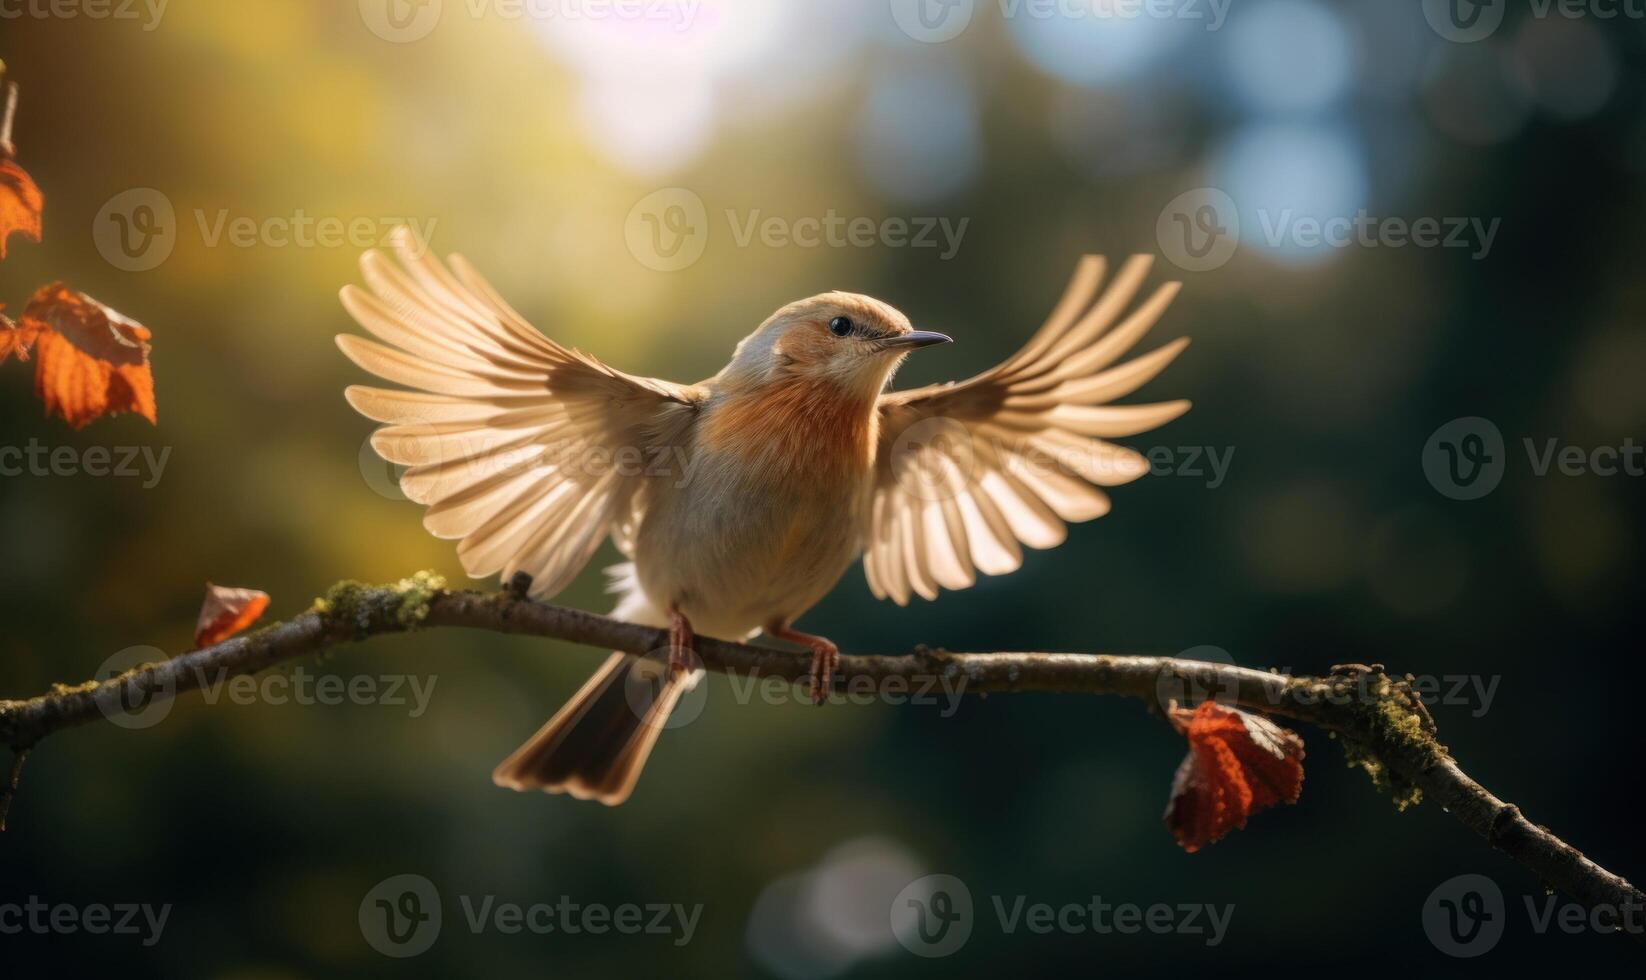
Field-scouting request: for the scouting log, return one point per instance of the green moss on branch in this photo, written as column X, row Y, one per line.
column 1391, row 723
column 363, row 609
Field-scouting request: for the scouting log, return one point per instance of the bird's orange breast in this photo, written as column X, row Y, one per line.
column 799, row 427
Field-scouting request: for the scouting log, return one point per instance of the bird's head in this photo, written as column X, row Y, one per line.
column 847, row 339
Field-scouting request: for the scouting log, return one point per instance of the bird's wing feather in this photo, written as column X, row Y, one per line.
column 966, row 473
column 508, row 436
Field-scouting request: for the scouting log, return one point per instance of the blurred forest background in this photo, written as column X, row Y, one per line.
column 526, row 143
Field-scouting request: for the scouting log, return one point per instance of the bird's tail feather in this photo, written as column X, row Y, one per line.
column 596, row 745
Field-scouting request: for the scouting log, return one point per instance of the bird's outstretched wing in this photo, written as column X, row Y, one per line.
column 528, row 451
column 968, row 472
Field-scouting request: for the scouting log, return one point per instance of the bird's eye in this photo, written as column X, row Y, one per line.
column 840, row 326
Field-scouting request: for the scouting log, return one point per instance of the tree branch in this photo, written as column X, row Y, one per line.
column 9, row 789
column 1384, row 725
column 8, row 115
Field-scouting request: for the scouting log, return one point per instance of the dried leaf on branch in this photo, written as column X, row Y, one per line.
column 20, row 204
column 1238, row 763
column 226, row 612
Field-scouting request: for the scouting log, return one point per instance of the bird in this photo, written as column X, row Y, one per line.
column 745, row 497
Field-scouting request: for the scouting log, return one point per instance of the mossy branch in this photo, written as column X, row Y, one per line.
column 1382, row 722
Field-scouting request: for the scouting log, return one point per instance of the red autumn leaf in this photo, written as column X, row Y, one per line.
column 16, row 339
column 20, row 204
column 226, row 612
column 91, row 361
column 1238, row 763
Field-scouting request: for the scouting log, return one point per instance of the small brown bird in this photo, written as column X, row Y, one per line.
column 742, row 499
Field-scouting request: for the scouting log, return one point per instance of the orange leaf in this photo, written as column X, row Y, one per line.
column 1238, row 763
column 91, row 360
column 226, row 612
column 20, row 204
column 16, row 339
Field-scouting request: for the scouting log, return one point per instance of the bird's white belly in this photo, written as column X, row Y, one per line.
column 737, row 555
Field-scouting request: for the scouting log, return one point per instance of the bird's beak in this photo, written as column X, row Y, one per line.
column 916, row 338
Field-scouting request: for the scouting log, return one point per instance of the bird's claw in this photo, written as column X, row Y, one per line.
column 825, row 660
column 680, row 642
column 520, row 586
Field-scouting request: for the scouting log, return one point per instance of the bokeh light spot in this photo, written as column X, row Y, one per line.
column 1287, row 179
column 1095, row 48
column 918, row 137
column 1289, row 56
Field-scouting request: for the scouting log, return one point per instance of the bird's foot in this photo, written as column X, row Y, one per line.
column 520, row 586
column 680, row 641
column 825, row 659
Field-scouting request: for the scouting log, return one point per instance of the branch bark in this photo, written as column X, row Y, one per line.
column 1384, row 724
column 8, row 115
